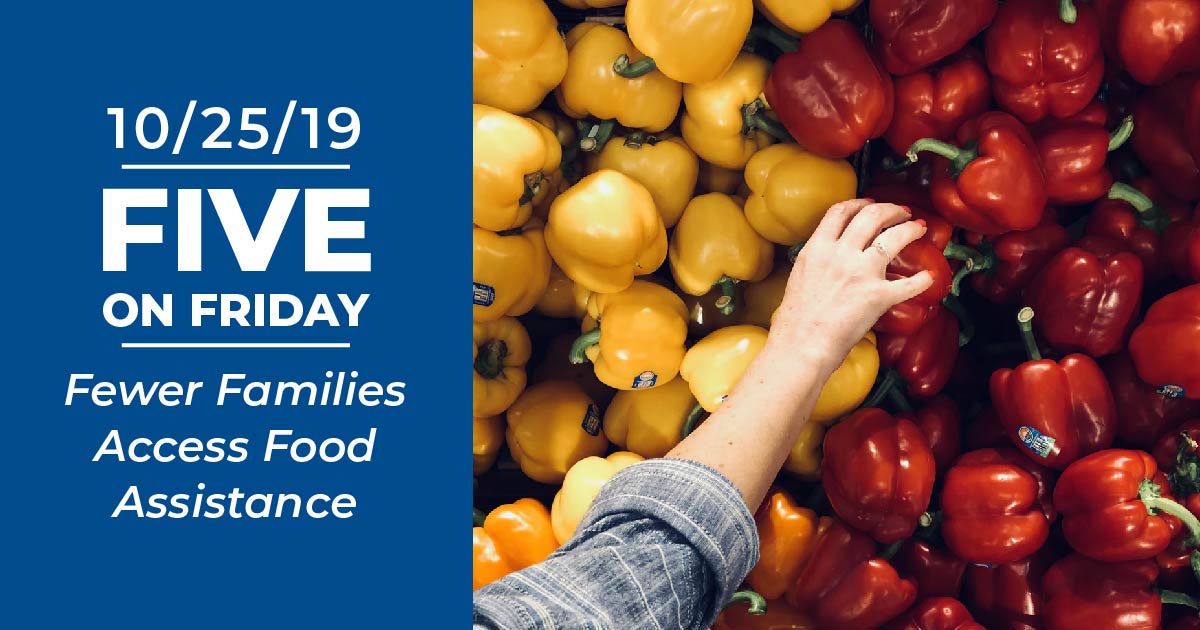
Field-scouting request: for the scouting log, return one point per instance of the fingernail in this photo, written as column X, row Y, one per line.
column 921, row 222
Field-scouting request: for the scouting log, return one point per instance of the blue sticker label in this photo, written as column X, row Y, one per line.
column 591, row 420
column 484, row 295
column 645, row 380
column 1170, row 391
column 1035, row 440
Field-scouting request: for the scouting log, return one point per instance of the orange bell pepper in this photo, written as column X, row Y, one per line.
column 513, row 536
column 787, row 534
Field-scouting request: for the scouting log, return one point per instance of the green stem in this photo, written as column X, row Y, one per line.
column 1025, row 324
column 578, row 353
column 633, row 70
column 597, row 136
column 490, row 361
column 774, row 37
column 1151, row 494
column 725, row 303
column 959, row 157
column 635, row 139
column 1150, row 215
column 891, row 550
column 966, row 325
column 899, row 400
column 478, row 517
column 1182, row 599
column 794, row 251
column 893, row 165
column 533, row 183
column 517, row 231
column 690, row 422
column 890, row 380
column 1120, row 134
column 973, row 260
column 1067, row 12
column 758, row 603
column 754, row 117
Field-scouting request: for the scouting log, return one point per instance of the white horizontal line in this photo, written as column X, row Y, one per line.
column 235, row 167
column 227, row 344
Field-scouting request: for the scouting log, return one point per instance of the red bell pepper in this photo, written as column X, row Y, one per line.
column 1191, row 122
column 1009, row 596
column 1083, row 594
column 1166, row 345
column 920, row 255
column 985, row 431
column 829, row 93
column 925, row 359
column 934, row 103
column 878, row 473
column 996, row 506
column 1143, row 414
column 846, row 586
column 1116, row 506
column 915, row 34
column 1130, row 216
column 1019, row 256
column 1073, row 155
column 1159, row 140
column 1176, row 453
column 890, row 171
column 1056, row 412
column 1041, row 64
column 992, row 182
column 1175, row 567
column 1179, row 242
column 1087, row 296
column 939, row 421
column 1154, row 39
column 936, row 613
column 936, row 572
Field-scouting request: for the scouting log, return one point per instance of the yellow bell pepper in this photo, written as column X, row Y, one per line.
column 639, row 341
column 761, row 299
column 663, row 164
column 563, row 298
column 487, row 435
column 563, row 128
column 713, row 366
column 518, row 54
column 591, row 87
column 804, row 460
column 714, row 245
column 510, row 271
column 502, row 349
column 591, row 4
column 724, row 121
column 512, row 158
column 605, row 230
column 791, row 189
column 649, row 422
column 849, row 385
column 556, row 365
column 795, row 18
column 691, row 41
column 713, row 178
column 552, row 426
column 580, row 488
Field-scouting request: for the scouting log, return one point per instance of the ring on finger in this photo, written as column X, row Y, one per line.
column 882, row 250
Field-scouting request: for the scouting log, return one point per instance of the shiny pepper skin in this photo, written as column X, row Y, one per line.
column 1159, row 139
column 510, row 271
column 795, row 18
column 925, row 359
column 487, row 436
column 1009, row 596
column 1143, row 413
column 518, row 54
column 878, row 473
column 935, row 102
column 997, row 507
column 1073, row 154
column 550, row 427
column 691, row 41
column 663, row 164
column 512, row 158
column 642, row 331
column 713, row 241
column 936, row 613
column 914, row 34
column 1041, row 66
column 513, row 537
column 939, row 421
column 791, row 189
column 920, row 255
column 849, row 384
column 1154, row 39
column 1166, row 345
column 1083, row 593
column 1019, row 258
column 502, row 349
column 1142, row 223
column 714, row 364
column 712, row 123
column 580, row 487
column 787, row 535
column 936, row 572
column 648, row 421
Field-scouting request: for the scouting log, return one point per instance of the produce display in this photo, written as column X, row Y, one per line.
column 1016, row 448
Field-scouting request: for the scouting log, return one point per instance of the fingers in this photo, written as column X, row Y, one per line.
column 908, row 288
column 898, row 237
column 837, row 217
column 872, row 220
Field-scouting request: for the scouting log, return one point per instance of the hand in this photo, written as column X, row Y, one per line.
column 838, row 289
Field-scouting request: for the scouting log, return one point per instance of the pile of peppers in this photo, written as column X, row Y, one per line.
column 1017, row 448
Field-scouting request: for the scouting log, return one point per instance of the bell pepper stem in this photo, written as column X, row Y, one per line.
column 1149, row 215
column 533, row 184
column 966, row 325
column 1025, row 324
column 794, row 251
column 1182, row 599
column 478, row 517
column 774, row 37
column 690, row 422
column 490, row 361
column 639, row 68
column 973, row 261
column 754, row 117
column 1151, row 494
column 899, row 400
column 635, row 139
column 758, row 603
column 891, row 550
column 578, row 353
column 1185, row 477
column 893, row 165
column 959, row 157
column 1121, row 134
column 597, row 136
column 725, row 303
column 1067, row 12
column 890, row 381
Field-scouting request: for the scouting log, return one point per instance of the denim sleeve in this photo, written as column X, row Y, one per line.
column 664, row 545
